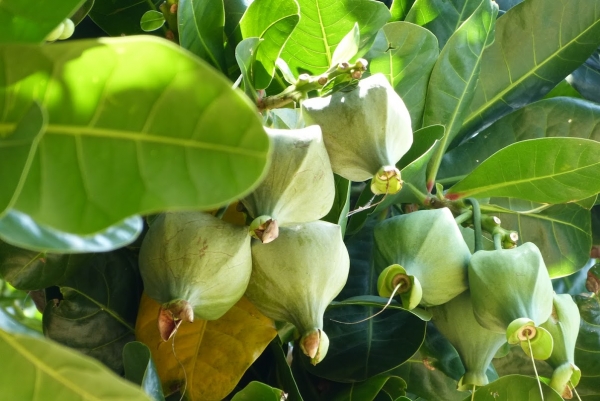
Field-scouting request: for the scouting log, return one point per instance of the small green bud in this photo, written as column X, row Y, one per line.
column 386, row 181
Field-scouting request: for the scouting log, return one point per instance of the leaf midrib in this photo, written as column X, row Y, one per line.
column 532, row 72
column 44, row 368
column 86, row 131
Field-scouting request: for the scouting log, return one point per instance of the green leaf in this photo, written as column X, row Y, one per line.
column 399, row 9
column 323, row 24
column 531, row 55
column 97, row 319
column 258, row 391
column 140, row 369
column 20, row 230
column 42, row 369
column 562, row 232
column 363, row 350
column 347, row 48
column 201, row 25
column 122, row 17
column 284, row 372
column 33, row 270
column 245, row 54
column 454, row 76
column 587, row 347
column 363, row 391
column 29, row 21
column 586, row 78
column 16, row 154
column 406, row 57
column 557, row 117
column 135, row 127
column 234, row 11
column 380, row 302
column 82, row 12
column 442, row 17
column 341, row 204
column 152, row 20
column 546, row 170
column 515, row 387
column 272, row 21
column 563, row 88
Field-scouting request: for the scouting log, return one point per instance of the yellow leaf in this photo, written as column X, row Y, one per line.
column 215, row 354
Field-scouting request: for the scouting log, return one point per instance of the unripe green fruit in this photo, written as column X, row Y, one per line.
column 429, row 247
column 195, row 265
column 364, row 130
column 476, row 346
column 56, row 32
column 296, row 277
column 299, row 186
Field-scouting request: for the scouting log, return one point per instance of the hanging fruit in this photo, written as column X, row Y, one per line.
column 194, row 265
column 512, row 294
column 366, row 131
column 425, row 253
column 299, row 185
column 296, row 277
column 475, row 345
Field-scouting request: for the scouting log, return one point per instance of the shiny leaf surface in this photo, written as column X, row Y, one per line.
column 140, row 369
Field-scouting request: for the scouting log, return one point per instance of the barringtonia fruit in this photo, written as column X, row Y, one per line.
column 512, row 294
column 366, row 131
column 299, row 186
column 475, row 345
column 423, row 251
column 195, row 265
column 563, row 325
column 296, row 277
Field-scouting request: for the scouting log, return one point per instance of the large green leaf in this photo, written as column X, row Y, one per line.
column 566, row 117
column 362, row 391
column 587, row 348
column 82, row 11
column 273, row 21
column 284, row 372
column 16, row 154
column 135, row 126
column 531, row 55
column 546, row 170
column 454, row 76
column 323, row 24
column 515, row 387
column 98, row 309
column 121, row 17
column 363, row 350
column 258, row 391
column 29, row 21
column 442, row 17
column 201, row 25
column 20, row 230
column 400, row 8
column 405, row 54
column 38, row 369
column 562, row 232
column 140, row 369
column 586, row 78
column 341, row 203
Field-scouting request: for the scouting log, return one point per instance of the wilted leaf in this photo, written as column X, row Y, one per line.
column 214, row 354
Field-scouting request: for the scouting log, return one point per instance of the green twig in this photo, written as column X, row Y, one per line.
column 476, row 223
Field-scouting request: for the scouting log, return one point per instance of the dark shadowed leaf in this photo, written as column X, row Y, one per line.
column 122, row 17
column 140, row 369
column 341, row 204
column 586, row 78
column 442, row 17
column 399, row 9
column 97, row 313
column 587, row 348
column 135, row 126
column 531, row 55
column 82, row 12
column 20, row 230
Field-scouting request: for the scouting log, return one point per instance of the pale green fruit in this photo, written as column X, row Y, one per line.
column 563, row 325
column 299, row 186
column 475, row 345
column 296, row 277
column 431, row 251
column 69, row 29
column 56, row 32
column 510, row 284
column 365, row 129
column 195, row 264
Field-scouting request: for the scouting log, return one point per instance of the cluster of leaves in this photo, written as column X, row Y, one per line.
column 95, row 133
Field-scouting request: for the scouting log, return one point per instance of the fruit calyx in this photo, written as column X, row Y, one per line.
column 409, row 289
column 315, row 344
column 387, row 181
column 264, row 228
column 171, row 315
column 535, row 341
